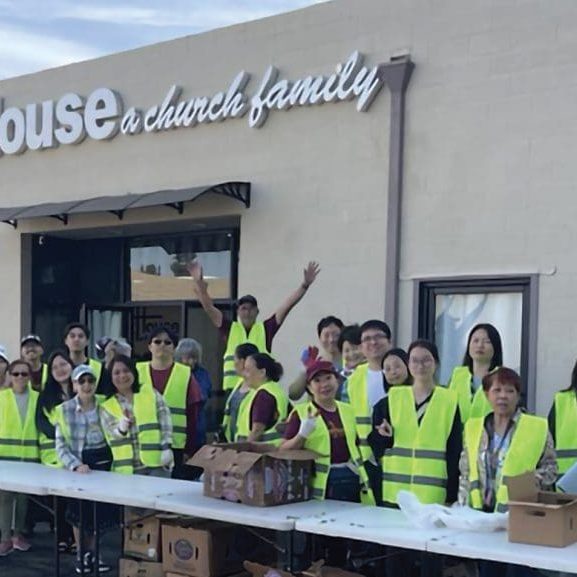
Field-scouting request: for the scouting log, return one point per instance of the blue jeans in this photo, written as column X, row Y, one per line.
column 343, row 485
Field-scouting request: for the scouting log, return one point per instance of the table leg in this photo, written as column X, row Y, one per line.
column 289, row 550
column 81, row 534
column 96, row 534
column 56, row 535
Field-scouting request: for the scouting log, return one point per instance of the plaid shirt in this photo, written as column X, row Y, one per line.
column 110, row 425
column 545, row 474
column 85, row 433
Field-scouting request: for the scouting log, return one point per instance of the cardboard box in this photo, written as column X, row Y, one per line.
column 255, row 473
column 540, row 517
column 142, row 534
column 201, row 548
column 317, row 569
column 133, row 568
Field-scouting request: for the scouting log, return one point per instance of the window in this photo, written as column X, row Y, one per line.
column 449, row 308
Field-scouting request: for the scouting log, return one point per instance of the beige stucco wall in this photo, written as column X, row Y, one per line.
column 489, row 157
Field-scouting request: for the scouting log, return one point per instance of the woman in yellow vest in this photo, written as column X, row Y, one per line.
column 240, row 394
column 563, row 425
column 267, row 405
column 81, row 447
column 57, row 390
column 137, row 424
column 484, row 353
column 503, row 444
column 328, row 427
column 18, row 442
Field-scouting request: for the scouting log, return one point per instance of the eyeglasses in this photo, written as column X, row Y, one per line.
column 87, row 380
column 18, row 374
column 374, row 338
column 167, row 342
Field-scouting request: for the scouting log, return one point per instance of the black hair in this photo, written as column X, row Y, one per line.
column 110, row 389
column 401, row 354
column 424, row 344
column 245, row 350
column 494, row 337
column 375, row 324
column 327, row 322
column 80, row 326
column 350, row 334
column 573, row 385
column 52, row 396
column 163, row 329
column 264, row 361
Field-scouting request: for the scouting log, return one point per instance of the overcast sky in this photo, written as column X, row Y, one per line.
column 39, row 34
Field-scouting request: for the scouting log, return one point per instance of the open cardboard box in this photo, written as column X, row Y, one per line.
column 317, row 569
column 134, row 568
column 255, row 473
column 540, row 517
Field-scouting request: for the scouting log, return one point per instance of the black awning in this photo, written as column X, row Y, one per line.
column 119, row 204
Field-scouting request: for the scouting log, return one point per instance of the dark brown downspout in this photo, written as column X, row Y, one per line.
column 396, row 74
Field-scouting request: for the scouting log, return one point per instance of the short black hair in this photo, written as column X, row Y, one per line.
column 76, row 325
column 247, row 299
column 350, row 334
column 163, row 329
column 376, row 324
column 327, row 322
column 245, row 350
column 110, row 389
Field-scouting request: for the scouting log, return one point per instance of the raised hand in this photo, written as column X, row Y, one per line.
column 384, row 429
column 310, row 273
column 194, row 268
column 309, row 423
column 309, row 356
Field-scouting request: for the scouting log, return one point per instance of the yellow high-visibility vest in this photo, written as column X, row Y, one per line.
column 417, row 462
column 226, row 419
column 320, row 442
column 145, row 414
column 175, row 394
column 470, row 406
column 523, row 455
column 238, row 336
column 48, row 454
column 358, row 398
column 271, row 435
column 18, row 440
column 566, row 430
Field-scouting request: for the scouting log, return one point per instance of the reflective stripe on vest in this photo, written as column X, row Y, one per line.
column 48, row 454
column 525, row 449
column 565, row 430
column 145, row 415
column 417, row 461
column 175, row 394
column 357, row 391
column 320, row 441
column 18, row 441
column 271, row 435
column 238, row 336
column 470, row 406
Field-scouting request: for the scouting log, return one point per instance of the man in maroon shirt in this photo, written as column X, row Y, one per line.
column 31, row 351
column 161, row 344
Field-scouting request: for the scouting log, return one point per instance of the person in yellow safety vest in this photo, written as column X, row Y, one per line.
column 328, row 331
column 58, row 389
column 395, row 365
column 81, row 446
column 505, row 443
column 364, row 388
column 239, row 396
column 137, row 424
column 4, row 362
column 18, row 442
column 267, row 405
column 327, row 426
column 563, row 425
column 484, row 353
column 76, row 336
column 31, row 351
column 247, row 328
column 176, row 383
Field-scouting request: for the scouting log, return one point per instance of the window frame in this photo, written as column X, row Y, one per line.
column 425, row 291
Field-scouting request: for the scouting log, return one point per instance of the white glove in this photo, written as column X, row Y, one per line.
column 307, row 426
column 167, row 458
column 124, row 425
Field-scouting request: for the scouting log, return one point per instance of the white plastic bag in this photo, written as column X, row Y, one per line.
column 456, row 517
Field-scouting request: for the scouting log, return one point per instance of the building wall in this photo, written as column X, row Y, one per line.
column 488, row 159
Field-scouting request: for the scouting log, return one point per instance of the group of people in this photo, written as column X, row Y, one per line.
column 376, row 415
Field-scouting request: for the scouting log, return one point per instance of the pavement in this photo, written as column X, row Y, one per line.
column 40, row 561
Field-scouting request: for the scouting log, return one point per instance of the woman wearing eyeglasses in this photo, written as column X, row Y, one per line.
column 81, row 447
column 18, row 442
